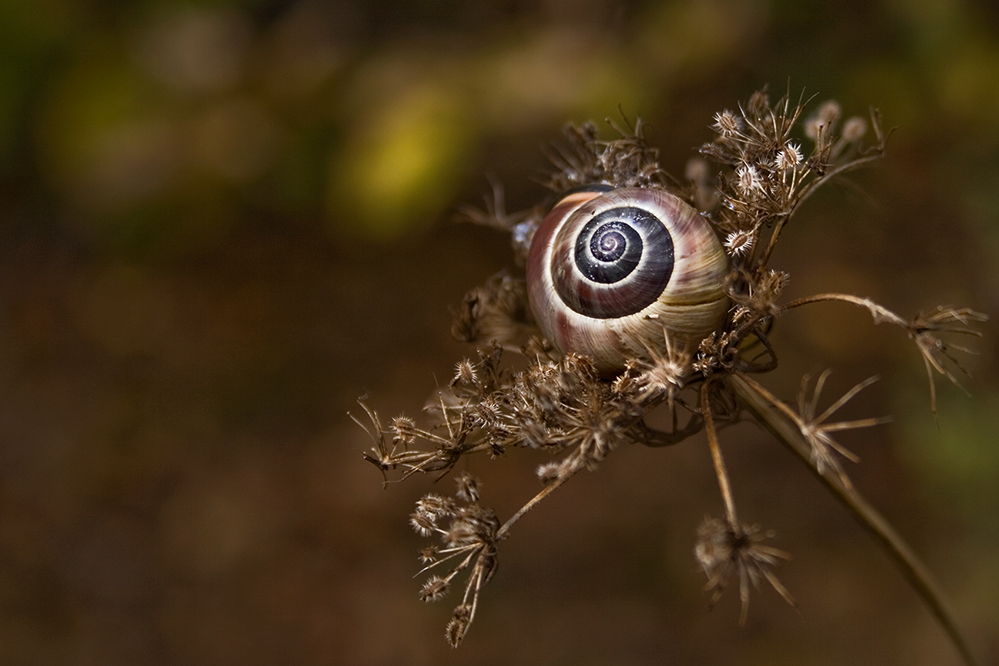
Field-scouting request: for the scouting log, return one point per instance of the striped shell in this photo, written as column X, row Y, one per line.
column 608, row 269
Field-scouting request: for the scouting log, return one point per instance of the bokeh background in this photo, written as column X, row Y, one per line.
column 223, row 221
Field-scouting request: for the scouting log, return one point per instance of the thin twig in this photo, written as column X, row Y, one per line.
column 505, row 529
column 716, row 456
column 879, row 312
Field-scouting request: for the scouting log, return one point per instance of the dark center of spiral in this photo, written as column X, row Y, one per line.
column 624, row 259
column 610, row 246
column 609, row 242
column 613, row 251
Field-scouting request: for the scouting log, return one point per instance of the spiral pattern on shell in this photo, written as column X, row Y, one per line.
column 609, row 269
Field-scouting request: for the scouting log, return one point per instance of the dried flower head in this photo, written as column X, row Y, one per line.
column 727, row 124
column 747, row 184
column 739, row 242
column 750, row 182
column 723, row 549
column 854, row 129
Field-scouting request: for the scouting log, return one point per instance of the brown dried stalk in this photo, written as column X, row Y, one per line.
column 771, row 413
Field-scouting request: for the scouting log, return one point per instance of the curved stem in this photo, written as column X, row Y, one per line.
column 759, row 401
column 649, row 436
column 878, row 312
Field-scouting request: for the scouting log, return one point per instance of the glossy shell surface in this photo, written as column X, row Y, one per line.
column 613, row 313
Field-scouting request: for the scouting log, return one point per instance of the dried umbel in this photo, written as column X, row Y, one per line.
column 642, row 291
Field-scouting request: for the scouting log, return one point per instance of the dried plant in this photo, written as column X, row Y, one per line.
column 747, row 183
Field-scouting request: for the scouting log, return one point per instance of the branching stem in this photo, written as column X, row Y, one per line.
column 876, row 154
column 762, row 403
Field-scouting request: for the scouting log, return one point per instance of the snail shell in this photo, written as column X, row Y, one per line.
column 609, row 268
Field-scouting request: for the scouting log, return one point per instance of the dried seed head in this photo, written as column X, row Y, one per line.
column 788, row 157
column 829, row 112
column 739, row 242
column 549, row 472
column 534, row 434
column 820, row 124
column 723, row 549
column 816, row 429
column 854, row 129
column 464, row 373
column 624, row 384
column 714, row 545
column 727, row 123
column 434, row 589
column 468, row 488
column 697, row 170
column 759, row 103
column 423, row 523
column 748, row 180
column 435, row 506
column 404, row 430
column 458, row 625
column 428, row 554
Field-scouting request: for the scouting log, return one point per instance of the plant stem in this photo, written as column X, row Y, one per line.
column 716, row 457
column 551, row 487
column 755, row 398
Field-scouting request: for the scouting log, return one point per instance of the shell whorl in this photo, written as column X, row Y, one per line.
column 608, row 270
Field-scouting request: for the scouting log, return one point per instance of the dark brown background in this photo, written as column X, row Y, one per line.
column 223, row 221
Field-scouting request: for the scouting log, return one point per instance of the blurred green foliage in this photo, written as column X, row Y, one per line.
column 159, row 122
